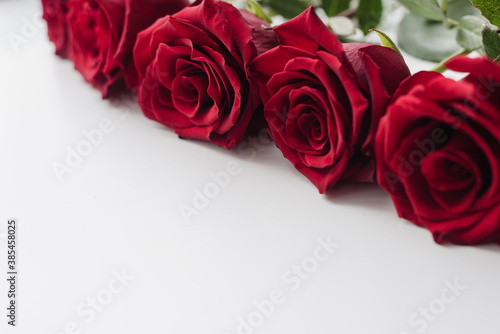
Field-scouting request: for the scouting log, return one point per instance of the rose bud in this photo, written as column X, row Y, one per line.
column 323, row 100
column 193, row 71
column 438, row 152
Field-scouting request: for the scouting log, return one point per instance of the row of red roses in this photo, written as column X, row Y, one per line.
column 336, row 111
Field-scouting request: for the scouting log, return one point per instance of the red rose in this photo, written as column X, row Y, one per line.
column 193, row 71
column 99, row 35
column 139, row 15
column 438, row 152
column 94, row 30
column 323, row 100
column 54, row 12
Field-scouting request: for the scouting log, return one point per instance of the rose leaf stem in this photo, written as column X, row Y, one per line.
column 441, row 68
column 444, row 6
column 349, row 13
column 452, row 22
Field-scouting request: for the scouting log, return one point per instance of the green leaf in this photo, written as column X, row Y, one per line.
column 369, row 14
column 334, row 7
column 287, row 8
column 444, row 5
column 458, row 8
column 387, row 41
column 254, row 8
column 469, row 32
column 426, row 8
column 490, row 9
column 425, row 39
column 491, row 42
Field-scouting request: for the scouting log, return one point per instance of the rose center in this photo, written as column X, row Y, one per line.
column 189, row 92
column 459, row 170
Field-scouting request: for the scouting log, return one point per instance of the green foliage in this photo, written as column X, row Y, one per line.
column 334, row 7
column 369, row 14
column 387, row 41
column 469, row 34
column 490, row 10
column 287, row 8
column 491, row 41
column 425, row 8
column 426, row 39
column 459, row 8
column 256, row 9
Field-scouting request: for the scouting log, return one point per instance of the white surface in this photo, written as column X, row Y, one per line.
column 119, row 210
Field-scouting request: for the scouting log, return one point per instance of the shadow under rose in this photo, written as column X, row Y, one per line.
column 366, row 195
column 487, row 248
column 257, row 148
column 372, row 196
column 125, row 100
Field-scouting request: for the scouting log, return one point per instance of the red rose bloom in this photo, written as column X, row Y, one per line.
column 139, row 15
column 54, row 12
column 323, row 100
column 193, row 72
column 95, row 27
column 438, row 152
column 99, row 35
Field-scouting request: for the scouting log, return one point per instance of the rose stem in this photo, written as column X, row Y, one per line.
column 441, row 68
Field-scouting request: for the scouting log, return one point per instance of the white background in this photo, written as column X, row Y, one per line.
column 119, row 211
